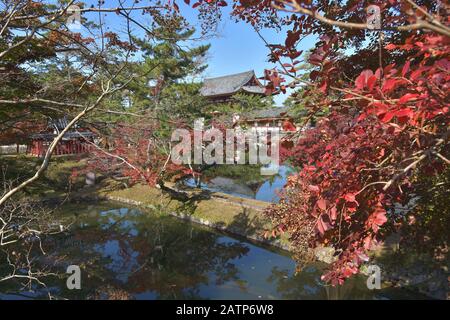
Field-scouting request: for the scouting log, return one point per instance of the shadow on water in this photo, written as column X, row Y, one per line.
column 126, row 253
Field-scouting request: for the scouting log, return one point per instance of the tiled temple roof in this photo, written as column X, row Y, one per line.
column 274, row 112
column 231, row 84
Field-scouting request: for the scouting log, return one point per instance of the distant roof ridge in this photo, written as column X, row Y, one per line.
column 232, row 74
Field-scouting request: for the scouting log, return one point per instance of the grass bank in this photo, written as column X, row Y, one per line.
column 224, row 212
column 236, row 215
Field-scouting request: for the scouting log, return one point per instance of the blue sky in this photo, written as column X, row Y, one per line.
column 236, row 47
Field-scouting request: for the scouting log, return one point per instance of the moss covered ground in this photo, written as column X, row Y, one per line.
column 242, row 216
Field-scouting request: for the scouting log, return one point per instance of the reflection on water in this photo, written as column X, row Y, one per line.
column 127, row 253
column 269, row 189
column 264, row 191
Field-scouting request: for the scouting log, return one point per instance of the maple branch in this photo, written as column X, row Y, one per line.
column 423, row 155
column 105, row 91
column 300, row 80
column 443, row 158
column 297, row 8
column 9, row 17
column 405, row 170
column 34, row 29
column 91, row 9
column 28, row 101
column 371, row 184
column 427, row 14
column 113, row 156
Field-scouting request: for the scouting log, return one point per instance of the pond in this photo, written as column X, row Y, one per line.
column 135, row 254
column 266, row 188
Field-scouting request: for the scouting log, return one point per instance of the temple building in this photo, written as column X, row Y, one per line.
column 275, row 117
column 221, row 89
column 75, row 141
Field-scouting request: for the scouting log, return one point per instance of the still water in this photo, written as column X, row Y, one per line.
column 135, row 254
column 266, row 190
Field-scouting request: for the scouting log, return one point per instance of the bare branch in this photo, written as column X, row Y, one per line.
column 56, row 140
column 293, row 6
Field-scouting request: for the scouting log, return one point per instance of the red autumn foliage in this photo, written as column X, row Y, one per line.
column 136, row 152
column 366, row 155
column 387, row 125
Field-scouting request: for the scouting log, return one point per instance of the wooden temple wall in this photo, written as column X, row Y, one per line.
column 39, row 147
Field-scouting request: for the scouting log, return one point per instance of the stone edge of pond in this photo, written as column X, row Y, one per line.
column 322, row 254
column 206, row 223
